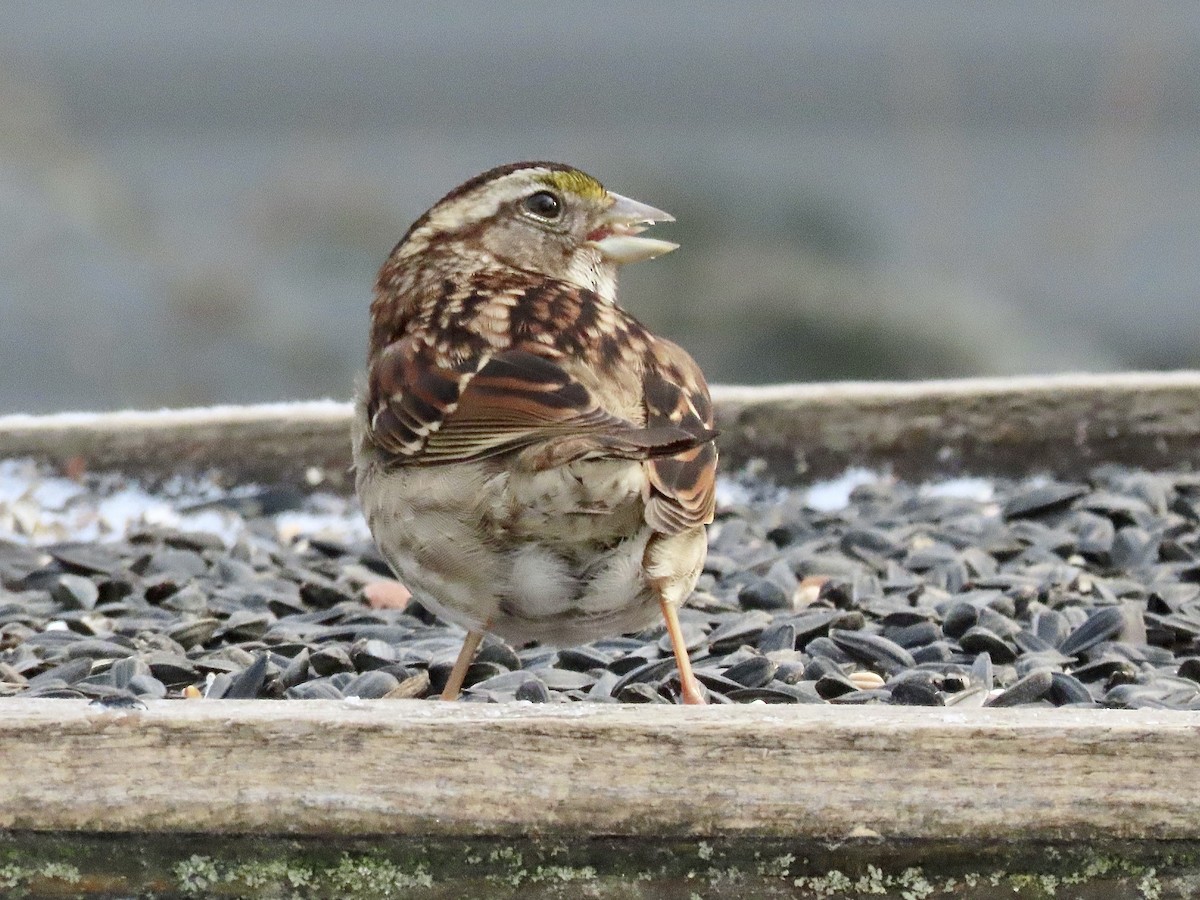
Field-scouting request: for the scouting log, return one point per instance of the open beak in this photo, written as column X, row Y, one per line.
column 619, row 236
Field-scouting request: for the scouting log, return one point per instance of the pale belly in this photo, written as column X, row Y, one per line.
column 554, row 556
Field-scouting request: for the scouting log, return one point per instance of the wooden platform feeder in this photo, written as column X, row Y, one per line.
column 425, row 799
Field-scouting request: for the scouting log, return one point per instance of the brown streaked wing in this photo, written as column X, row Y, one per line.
column 683, row 485
column 426, row 412
column 410, row 393
column 517, row 399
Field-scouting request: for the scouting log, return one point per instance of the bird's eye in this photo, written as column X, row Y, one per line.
column 544, row 205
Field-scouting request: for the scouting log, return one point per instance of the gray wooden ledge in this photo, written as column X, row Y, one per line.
column 434, row 769
column 994, row 426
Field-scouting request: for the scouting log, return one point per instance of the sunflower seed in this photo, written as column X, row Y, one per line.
column 873, row 649
column 1099, row 626
column 1027, row 690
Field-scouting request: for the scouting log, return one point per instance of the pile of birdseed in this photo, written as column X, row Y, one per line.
column 861, row 590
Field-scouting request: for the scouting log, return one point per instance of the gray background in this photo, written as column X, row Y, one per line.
column 194, row 197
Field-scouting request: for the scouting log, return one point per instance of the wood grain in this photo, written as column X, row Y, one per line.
column 433, row 769
column 1061, row 424
column 988, row 426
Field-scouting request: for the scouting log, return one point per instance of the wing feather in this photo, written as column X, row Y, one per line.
column 682, row 484
column 432, row 413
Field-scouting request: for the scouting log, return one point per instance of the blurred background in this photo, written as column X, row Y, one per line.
column 195, row 197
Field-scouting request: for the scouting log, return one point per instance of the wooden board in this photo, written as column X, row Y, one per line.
column 434, row 769
column 1005, row 426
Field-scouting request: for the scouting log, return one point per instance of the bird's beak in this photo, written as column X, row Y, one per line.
column 618, row 236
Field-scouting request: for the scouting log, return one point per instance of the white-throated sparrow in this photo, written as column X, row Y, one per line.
column 530, row 459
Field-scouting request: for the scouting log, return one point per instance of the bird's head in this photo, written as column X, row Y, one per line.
column 545, row 218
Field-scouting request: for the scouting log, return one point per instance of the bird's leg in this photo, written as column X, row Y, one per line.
column 693, row 694
column 459, row 673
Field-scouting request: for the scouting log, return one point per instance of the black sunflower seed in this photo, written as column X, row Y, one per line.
column 1099, row 626
column 1027, row 690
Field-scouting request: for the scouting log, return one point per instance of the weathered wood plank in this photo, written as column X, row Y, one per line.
column 987, row 426
column 433, row 769
column 1059, row 424
column 272, row 443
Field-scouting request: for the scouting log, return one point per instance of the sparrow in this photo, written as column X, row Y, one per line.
column 530, row 459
